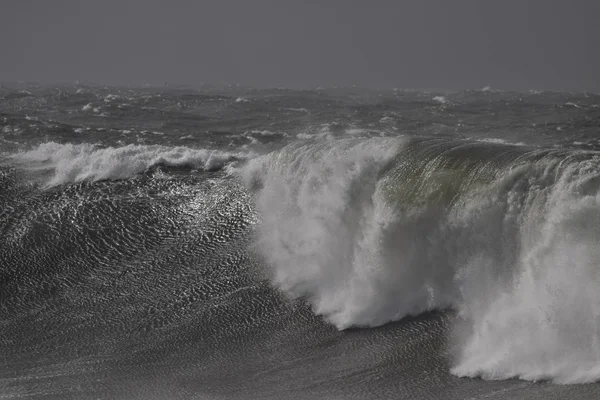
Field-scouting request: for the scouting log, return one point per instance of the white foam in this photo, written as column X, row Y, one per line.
column 327, row 130
column 10, row 142
column 13, row 130
column 543, row 322
column 356, row 131
column 111, row 97
column 77, row 162
column 497, row 141
column 516, row 256
column 87, row 107
column 440, row 99
column 321, row 224
column 264, row 133
column 241, row 100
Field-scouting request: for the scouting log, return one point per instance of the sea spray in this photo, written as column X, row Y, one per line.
column 372, row 231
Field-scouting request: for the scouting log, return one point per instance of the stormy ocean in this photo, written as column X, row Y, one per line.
column 337, row 243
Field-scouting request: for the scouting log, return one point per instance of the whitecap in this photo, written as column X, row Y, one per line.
column 265, row 133
column 77, row 162
column 356, row 131
column 111, row 97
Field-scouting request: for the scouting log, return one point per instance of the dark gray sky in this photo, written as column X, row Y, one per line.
column 427, row 44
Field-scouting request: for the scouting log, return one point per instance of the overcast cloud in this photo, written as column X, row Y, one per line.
column 427, row 44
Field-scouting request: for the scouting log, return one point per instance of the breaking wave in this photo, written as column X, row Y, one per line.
column 370, row 231
column 77, row 162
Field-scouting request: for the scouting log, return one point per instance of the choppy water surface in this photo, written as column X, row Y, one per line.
column 164, row 243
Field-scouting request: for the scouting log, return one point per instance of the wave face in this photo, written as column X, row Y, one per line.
column 370, row 231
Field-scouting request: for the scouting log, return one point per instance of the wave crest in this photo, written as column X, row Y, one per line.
column 371, row 231
column 78, row 162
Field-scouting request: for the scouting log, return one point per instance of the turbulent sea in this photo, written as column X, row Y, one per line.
column 232, row 243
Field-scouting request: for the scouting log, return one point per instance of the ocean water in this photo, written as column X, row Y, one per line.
column 234, row 243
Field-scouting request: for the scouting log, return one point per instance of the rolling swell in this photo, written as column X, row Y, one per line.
column 370, row 231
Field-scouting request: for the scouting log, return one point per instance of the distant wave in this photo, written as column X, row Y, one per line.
column 77, row 162
column 370, row 231
column 440, row 99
